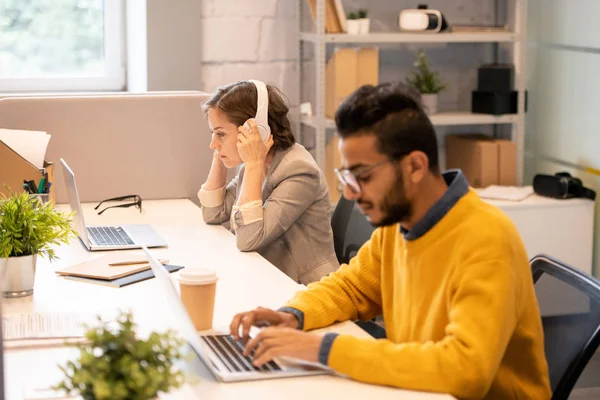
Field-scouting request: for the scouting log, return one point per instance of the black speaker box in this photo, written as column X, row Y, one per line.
column 495, row 103
column 496, row 78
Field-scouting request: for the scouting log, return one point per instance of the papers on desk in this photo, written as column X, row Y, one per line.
column 511, row 193
column 43, row 329
column 31, row 145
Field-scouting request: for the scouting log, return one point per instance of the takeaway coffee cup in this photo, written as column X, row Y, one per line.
column 198, row 287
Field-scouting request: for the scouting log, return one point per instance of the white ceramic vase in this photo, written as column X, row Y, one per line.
column 18, row 275
column 365, row 25
column 353, row 26
column 430, row 103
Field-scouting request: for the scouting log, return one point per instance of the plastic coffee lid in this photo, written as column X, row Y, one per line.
column 197, row 276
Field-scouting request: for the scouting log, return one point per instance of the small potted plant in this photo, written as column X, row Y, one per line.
column 427, row 82
column 115, row 364
column 28, row 228
column 353, row 24
column 365, row 22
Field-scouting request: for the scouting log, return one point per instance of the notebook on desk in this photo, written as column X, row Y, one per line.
column 126, row 280
column 110, row 266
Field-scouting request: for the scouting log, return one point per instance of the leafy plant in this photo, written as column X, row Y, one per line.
column 362, row 13
column 117, row 365
column 425, row 80
column 29, row 227
column 352, row 15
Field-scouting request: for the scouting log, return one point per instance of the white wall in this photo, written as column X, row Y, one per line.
column 163, row 45
column 564, row 82
column 244, row 39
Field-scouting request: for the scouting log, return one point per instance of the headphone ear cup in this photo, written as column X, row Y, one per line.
column 264, row 135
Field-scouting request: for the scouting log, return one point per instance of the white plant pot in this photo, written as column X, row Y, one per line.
column 365, row 25
column 19, row 275
column 353, row 26
column 430, row 103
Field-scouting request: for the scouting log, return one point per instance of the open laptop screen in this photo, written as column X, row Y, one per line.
column 80, row 226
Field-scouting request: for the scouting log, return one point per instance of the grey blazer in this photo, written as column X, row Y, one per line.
column 292, row 226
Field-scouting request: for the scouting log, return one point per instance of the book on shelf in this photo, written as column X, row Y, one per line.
column 335, row 19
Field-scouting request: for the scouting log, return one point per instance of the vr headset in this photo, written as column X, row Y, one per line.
column 422, row 20
column 561, row 186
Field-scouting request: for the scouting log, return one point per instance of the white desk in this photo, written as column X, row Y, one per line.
column 563, row 229
column 246, row 280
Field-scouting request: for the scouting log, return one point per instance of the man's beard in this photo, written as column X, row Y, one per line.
column 395, row 206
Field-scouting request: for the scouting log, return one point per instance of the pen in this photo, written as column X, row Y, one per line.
column 124, row 263
column 42, row 185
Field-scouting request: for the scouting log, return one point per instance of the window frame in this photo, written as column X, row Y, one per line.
column 114, row 78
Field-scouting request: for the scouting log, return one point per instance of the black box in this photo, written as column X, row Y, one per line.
column 496, row 78
column 495, row 103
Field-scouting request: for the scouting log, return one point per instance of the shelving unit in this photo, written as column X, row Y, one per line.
column 320, row 40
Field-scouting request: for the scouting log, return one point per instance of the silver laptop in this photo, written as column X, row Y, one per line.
column 107, row 237
column 220, row 353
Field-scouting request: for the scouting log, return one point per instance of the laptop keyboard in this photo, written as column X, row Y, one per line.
column 230, row 352
column 109, row 236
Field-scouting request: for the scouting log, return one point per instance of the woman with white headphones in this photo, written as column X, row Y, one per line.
column 278, row 204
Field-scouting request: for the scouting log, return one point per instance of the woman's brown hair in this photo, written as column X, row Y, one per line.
column 238, row 102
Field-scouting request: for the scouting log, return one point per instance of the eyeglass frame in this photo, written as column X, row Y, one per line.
column 137, row 203
column 341, row 173
column 355, row 185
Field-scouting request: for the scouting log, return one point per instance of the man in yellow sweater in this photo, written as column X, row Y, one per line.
column 448, row 271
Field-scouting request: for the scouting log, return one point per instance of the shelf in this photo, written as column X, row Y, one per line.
column 441, row 119
column 400, row 37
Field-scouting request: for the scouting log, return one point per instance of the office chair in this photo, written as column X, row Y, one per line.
column 570, row 305
column 350, row 231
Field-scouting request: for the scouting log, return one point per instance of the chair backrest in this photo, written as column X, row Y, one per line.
column 350, row 230
column 569, row 303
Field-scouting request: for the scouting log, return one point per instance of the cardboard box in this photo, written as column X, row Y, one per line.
column 346, row 71
column 484, row 160
column 14, row 169
column 333, row 160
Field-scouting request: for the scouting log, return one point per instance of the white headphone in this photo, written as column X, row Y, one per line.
column 262, row 110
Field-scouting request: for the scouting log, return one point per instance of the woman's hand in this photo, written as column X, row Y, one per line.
column 217, row 176
column 253, row 151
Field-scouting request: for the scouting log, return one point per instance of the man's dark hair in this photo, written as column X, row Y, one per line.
column 392, row 112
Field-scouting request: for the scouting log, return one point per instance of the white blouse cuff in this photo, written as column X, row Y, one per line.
column 212, row 198
column 246, row 214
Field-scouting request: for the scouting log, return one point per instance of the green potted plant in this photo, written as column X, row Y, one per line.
column 365, row 22
column 427, row 82
column 28, row 228
column 115, row 364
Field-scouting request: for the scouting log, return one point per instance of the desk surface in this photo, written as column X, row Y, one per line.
column 246, row 280
column 540, row 202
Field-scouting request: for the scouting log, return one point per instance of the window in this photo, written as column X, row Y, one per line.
column 55, row 45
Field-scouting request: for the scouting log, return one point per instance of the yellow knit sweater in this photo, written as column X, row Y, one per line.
column 458, row 303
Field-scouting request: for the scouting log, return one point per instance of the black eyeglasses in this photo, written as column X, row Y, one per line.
column 137, row 201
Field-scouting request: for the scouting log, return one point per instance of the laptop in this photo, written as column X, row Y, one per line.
column 220, row 353
column 107, row 237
